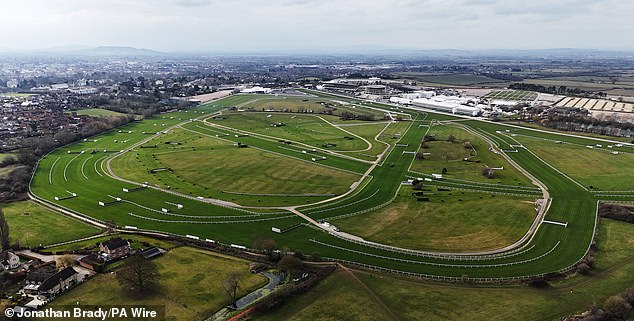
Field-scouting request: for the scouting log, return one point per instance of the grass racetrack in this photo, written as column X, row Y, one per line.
column 549, row 248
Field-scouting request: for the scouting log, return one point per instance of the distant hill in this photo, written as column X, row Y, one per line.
column 118, row 51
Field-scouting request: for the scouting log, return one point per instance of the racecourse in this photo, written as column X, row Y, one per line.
column 85, row 173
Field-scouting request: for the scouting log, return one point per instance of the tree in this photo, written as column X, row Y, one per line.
column 231, row 286
column 583, row 268
column 420, row 156
column 451, row 138
column 289, row 264
column 616, row 306
column 4, row 232
column 138, row 275
column 65, row 261
column 444, row 170
column 467, row 144
column 266, row 245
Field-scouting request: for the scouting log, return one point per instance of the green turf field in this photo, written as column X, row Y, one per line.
column 463, row 163
column 308, row 129
column 339, row 297
column 98, row 112
column 595, row 166
column 32, row 225
column 190, row 285
column 209, row 166
column 452, row 221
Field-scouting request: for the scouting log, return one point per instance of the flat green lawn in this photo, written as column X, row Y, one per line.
column 308, row 105
column 538, row 126
column 599, row 168
column 444, row 154
column 191, row 285
column 98, row 112
column 308, row 129
column 451, row 221
column 449, row 79
column 211, row 167
column 368, row 131
column 31, row 225
column 338, row 297
column 412, row 300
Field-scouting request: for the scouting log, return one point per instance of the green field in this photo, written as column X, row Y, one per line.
column 339, row 297
column 32, row 225
column 308, row 129
column 512, row 95
column 97, row 112
column 450, row 79
column 452, row 221
column 412, row 300
column 462, row 163
column 240, row 175
column 597, row 166
column 190, row 285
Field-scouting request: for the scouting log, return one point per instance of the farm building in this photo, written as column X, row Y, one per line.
column 58, row 282
column 115, row 248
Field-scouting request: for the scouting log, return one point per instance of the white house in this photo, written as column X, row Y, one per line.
column 9, row 260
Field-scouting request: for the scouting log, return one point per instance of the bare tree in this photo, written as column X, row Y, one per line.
column 231, row 286
column 65, row 261
column 616, row 306
column 4, row 232
column 267, row 245
column 138, row 274
column 289, row 264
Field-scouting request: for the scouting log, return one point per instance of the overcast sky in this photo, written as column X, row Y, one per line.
column 278, row 25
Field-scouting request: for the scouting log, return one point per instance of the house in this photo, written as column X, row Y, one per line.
column 58, row 282
column 114, row 248
column 9, row 260
column 34, row 280
column 93, row 262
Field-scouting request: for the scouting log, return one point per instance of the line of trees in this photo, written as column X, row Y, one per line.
column 556, row 90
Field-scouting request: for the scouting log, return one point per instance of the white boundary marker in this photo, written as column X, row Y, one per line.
column 564, row 224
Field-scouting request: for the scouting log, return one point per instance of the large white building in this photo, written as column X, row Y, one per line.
column 419, row 94
column 256, row 90
column 448, row 104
